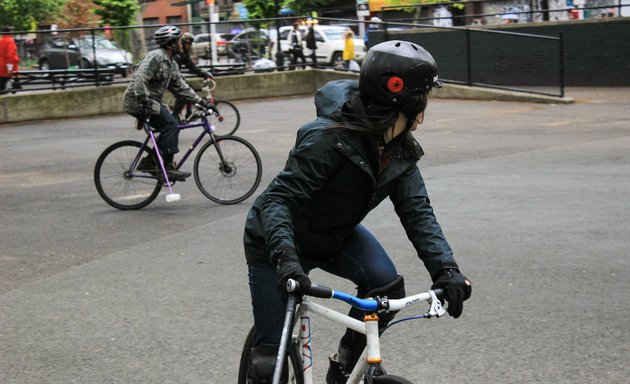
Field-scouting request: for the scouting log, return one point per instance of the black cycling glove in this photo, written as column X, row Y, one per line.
column 457, row 287
column 288, row 267
column 208, row 105
column 147, row 108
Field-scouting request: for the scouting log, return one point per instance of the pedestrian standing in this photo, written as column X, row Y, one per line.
column 9, row 58
column 295, row 41
column 348, row 48
column 312, row 45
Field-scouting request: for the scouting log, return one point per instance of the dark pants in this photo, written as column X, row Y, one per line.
column 362, row 260
column 298, row 54
column 5, row 80
column 3, row 83
column 166, row 124
column 179, row 105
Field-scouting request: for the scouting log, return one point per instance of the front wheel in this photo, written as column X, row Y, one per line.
column 337, row 61
column 119, row 183
column 295, row 361
column 390, row 379
column 228, row 120
column 228, row 170
column 44, row 65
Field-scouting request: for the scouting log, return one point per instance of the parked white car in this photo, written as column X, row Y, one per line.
column 201, row 45
column 330, row 43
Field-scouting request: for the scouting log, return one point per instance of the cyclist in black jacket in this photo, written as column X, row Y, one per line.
column 358, row 152
column 184, row 60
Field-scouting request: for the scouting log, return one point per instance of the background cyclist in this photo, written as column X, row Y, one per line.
column 184, row 60
column 156, row 73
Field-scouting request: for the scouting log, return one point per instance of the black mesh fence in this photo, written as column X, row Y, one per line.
column 517, row 61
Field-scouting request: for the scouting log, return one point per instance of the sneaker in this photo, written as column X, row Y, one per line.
column 174, row 174
column 336, row 371
column 262, row 364
column 178, row 175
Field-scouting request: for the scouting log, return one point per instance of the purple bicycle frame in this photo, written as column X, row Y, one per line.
column 208, row 128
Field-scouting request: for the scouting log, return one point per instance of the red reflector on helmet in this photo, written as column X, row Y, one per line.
column 395, row 84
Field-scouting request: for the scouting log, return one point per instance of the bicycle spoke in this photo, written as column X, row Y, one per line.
column 117, row 184
column 231, row 181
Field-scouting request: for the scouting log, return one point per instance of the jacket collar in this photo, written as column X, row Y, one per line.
column 354, row 149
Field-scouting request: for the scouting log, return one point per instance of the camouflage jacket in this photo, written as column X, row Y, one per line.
column 156, row 73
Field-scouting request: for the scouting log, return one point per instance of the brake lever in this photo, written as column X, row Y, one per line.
column 436, row 309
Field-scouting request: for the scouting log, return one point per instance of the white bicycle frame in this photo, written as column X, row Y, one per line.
column 369, row 327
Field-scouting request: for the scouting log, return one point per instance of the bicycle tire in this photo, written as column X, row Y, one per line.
column 390, row 379
column 117, row 185
column 295, row 366
column 232, row 181
column 229, row 118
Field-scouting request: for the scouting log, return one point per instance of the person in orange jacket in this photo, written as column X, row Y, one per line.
column 9, row 58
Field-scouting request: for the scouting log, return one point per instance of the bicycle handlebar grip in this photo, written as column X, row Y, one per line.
column 320, row 291
column 440, row 293
column 315, row 290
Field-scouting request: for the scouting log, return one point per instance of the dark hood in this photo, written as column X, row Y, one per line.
column 331, row 98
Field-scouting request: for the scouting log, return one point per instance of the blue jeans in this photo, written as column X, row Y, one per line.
column 361, row 259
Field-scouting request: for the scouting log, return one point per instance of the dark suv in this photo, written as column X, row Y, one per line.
column 250, row 44
column 58, row 53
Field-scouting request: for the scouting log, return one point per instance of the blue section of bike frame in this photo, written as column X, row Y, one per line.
column 363, row 304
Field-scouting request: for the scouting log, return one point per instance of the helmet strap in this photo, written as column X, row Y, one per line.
column 172, row 47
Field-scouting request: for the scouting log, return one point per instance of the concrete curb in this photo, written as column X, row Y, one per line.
column 91, row 101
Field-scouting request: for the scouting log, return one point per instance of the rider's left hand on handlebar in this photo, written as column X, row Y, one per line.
column 289, row 267
column 458, row 289
column 207, row 105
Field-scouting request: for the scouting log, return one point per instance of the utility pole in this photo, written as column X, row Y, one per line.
column 279, row 55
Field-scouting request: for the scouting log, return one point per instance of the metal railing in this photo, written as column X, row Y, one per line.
column 461, row 62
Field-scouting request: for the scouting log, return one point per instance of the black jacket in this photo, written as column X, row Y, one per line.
column 184, row 60
column 329, row 184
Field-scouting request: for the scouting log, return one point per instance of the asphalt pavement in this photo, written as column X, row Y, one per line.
column 534, row 199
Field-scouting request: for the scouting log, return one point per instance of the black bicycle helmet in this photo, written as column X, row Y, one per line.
column 167, row 34
column 399, row 74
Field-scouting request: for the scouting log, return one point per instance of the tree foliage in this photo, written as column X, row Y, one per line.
column 116, row 12
column 22, row 14
column 262, row 9
column 77, row 14
column 300, row 7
